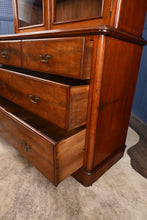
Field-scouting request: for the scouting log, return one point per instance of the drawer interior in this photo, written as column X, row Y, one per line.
column 49, row 130
column 53, row 151
column 45, row 76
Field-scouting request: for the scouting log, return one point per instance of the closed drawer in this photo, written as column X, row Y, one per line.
column 70, row 57
column 10, row 53
column 55, row 153
column 62, row 103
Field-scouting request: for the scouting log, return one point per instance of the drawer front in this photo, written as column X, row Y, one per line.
column 38, row 151
column 70, row 57
column 55, row 160
column 10, row 53
column 63, row 105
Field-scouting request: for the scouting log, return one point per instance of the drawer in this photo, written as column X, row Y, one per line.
column 70, row 57
column 56, row 153
column 62, row 103
column 10, row 53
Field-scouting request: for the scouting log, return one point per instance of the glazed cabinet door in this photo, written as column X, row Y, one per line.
column 39, row 15
column 30, row 15
column 80, row 13
column 69, row 10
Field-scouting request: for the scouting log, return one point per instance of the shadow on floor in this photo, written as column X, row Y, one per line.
column 138, row 153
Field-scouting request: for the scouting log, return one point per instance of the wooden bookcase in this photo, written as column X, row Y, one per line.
column 67, row 83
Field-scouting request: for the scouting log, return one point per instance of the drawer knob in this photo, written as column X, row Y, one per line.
column 44, row 58
column 4, row 54
column 34, row 99
column 25, row 146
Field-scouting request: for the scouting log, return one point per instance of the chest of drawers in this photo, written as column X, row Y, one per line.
column 66, row 96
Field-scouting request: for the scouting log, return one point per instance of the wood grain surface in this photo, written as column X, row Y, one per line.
column 121, row 66
column 53, row 158
column 82, row 31
column 66, row 56
column 60, row 103
column 132, row 16
column 10, row 53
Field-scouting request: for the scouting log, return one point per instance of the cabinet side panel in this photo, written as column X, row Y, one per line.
column 94, row 99
column 133, row 16
column 121, row 67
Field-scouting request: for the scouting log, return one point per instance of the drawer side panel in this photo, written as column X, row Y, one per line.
column 69, row 155
column 78, row 105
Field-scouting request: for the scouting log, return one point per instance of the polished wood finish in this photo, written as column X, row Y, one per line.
column 60, row 51
column 127, row 15
column 63, row 104
column 10, row 53
column 51, row 156
column 69, row 155
column 113, row 12
column 132, row 16
column 38, row 27
column 104, row 140
column 84, row 22
column 115, row 107
column 87, row 178
column 94, row 99
column 99, row 30
column 117, row 13
column 70, row 11
column 79, row 73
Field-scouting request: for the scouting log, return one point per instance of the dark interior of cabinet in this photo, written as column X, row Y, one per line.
column 30, row 12
column 68, row 10
column 51, row 78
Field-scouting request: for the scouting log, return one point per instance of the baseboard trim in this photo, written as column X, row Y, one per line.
column 87, row 178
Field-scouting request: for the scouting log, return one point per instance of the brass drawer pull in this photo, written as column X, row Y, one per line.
column 44, row 58
column 34, row 99
column 25, row 146
column 4, row 54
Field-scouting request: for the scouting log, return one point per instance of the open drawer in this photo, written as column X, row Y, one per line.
column 56, row 153
column 60, row 101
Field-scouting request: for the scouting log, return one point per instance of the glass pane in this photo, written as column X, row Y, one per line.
column 30, row 12
column 66, row 10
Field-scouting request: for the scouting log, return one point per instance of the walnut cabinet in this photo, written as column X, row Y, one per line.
column 67, row 81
